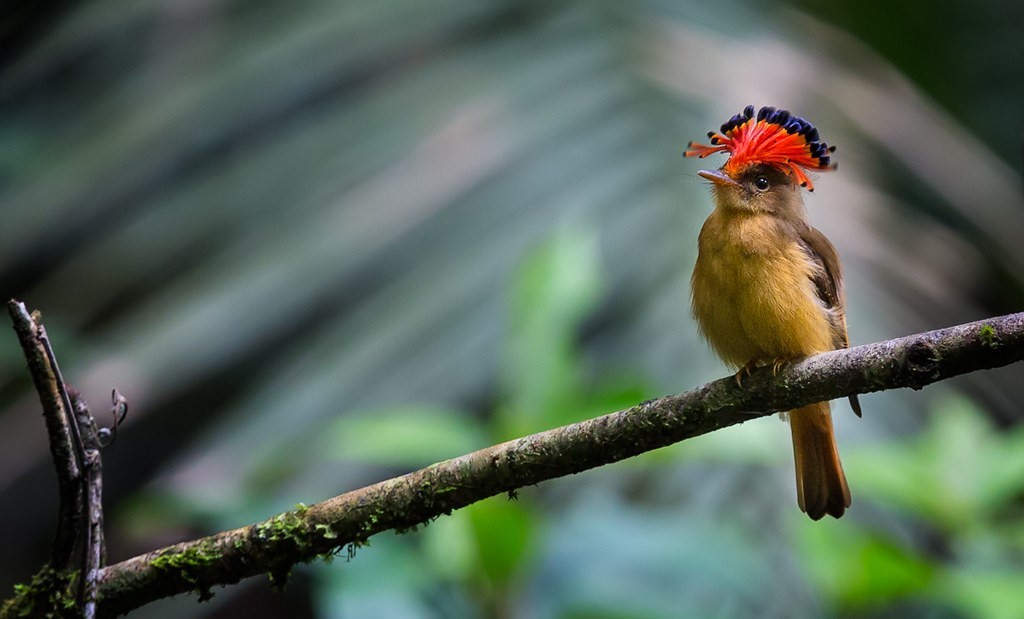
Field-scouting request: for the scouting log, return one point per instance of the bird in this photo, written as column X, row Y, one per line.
column 767, row 287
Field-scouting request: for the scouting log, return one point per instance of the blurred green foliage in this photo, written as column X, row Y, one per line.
column 962, row 474
column 556, row 288
column 485, row 548
column 959, row 486
column 951, row 542
column 320, row 244
column 938, row 529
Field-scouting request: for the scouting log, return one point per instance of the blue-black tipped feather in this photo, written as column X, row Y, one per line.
column 787, row 121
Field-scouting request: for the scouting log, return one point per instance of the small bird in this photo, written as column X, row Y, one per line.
column 767, row 288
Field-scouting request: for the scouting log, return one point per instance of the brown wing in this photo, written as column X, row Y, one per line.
column 828, row 281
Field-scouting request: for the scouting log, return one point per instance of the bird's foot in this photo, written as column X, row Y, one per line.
column 778, row 363
column 745, row 372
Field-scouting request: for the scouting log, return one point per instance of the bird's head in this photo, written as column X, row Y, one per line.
column 768, row 158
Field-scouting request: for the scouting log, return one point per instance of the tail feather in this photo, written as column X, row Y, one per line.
column 820, row 482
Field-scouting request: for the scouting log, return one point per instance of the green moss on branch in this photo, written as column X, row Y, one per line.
column 402, row 503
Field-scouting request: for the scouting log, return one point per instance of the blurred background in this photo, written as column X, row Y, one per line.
column 319, row 244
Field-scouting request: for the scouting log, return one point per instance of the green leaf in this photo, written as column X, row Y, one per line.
column 449, row 545
column 503, row 531
column 859, row 568
column 554, row 290
column 984, row 594
column 956, row 475
column 408, row 437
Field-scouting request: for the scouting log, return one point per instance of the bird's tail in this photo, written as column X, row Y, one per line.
column 820, row 483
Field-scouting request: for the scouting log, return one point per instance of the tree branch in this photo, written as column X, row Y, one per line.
column 275, row 545
column 62, row 436
column 91, row 535
column 75, row 448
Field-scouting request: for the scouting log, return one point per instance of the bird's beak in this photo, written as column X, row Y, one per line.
column 718, row 177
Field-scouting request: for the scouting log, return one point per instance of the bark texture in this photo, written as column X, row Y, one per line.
column 275, row 545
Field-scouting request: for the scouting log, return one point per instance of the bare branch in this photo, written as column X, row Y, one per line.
column 91, row 537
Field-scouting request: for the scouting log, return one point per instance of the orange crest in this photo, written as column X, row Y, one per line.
column 776, row 138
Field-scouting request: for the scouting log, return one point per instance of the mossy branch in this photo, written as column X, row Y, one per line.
column 57, row 414
column 275, row 545
column 78, row 549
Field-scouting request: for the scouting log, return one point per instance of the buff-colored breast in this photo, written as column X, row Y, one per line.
column 753, row 296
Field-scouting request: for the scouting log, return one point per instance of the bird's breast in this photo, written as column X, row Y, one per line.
column 753, row 296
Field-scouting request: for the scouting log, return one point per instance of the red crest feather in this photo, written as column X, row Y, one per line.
column 775, row 137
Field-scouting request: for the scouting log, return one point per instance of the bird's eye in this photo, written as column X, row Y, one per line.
column 761, row 183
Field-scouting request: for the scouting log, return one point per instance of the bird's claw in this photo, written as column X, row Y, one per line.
column 778, row 364
column 745, row 372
